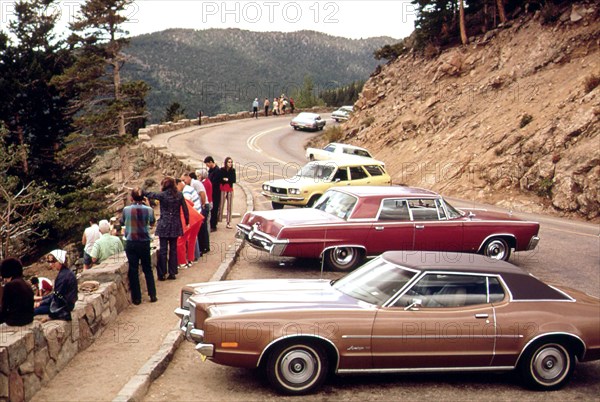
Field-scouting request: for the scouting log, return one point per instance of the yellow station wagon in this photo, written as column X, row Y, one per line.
column 305, row 188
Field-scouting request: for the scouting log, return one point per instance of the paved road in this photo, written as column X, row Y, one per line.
column 568, row 254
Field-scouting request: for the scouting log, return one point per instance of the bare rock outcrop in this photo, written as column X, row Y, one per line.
column 509, row 119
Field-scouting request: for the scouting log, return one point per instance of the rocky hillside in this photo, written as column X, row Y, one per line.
column 512, row 118
column 223, row 70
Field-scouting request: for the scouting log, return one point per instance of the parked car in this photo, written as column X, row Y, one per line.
column 401, row 312
column 308, row 121
column 315, row 178
column 342, row 114
column 336, row 150
column 351, row 223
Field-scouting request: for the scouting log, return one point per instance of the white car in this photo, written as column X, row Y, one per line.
column 336, row 150
column 342, row 114
column 308, row 121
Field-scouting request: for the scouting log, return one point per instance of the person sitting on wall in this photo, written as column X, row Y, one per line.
column 17, row 298
column 107, row 245
column 59, row 304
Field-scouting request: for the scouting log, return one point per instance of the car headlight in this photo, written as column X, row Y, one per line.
column 294, row 191
column 266, row 187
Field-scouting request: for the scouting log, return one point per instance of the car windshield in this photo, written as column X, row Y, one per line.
column 316, row 171
column 453, row 212
column 375, row 282
column 336, row 203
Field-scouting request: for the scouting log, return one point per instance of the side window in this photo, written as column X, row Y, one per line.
column 330, row 148
column 374, row 170
column 496, row 291
column 341, row 175
column 394, row 210
column 423, row 209
column 357, row 173
column 444, row 291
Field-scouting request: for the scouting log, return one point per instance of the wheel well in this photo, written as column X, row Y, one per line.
column 573, row 343
column 509, row 239
column 328, row 347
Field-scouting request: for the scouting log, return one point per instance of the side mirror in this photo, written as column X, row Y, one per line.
column 414, row 305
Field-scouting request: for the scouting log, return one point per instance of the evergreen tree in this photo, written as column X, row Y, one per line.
column 105, row 105
column 32, row 108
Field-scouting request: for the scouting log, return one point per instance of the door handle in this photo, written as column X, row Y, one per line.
column 379, row 228
column 419, row 227
column 481, row 315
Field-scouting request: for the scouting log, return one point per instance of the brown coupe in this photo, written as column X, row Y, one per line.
column 401, row 312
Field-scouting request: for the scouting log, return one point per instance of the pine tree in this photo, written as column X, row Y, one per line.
column 31, row 107
column 103, row 102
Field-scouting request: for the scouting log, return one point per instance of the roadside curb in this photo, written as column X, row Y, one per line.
column 137, row 387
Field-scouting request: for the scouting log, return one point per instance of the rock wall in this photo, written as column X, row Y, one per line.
column 32, row 355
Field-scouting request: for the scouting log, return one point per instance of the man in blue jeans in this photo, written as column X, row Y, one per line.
column 137, row 219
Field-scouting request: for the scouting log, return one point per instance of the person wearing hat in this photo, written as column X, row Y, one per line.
column 59, row 304
column 17, row 298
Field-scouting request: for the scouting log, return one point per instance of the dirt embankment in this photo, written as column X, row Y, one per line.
column 513, row 118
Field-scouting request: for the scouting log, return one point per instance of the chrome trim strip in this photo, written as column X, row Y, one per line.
column 428, row 336
column 425, row 369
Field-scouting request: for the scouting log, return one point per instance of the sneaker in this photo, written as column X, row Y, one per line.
column 171, row 277
column 182, row 266
column 153, row 299
column 137, row 302
column 228, row 226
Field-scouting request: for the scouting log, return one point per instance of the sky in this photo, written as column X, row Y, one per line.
column 353, row 19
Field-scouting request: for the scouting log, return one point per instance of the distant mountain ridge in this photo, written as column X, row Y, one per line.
column 223, row 70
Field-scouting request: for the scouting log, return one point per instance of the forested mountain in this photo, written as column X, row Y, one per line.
column 223, row 70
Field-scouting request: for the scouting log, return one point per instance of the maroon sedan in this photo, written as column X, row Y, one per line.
column 347, row 225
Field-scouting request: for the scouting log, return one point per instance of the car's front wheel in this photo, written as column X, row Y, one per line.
column 297, row 368
column 547, row 365
column 343, row 258
column 276, row 205
column 497, row 248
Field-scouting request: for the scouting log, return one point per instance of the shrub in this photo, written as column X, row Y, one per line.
column 334, row 133
column 591, row 82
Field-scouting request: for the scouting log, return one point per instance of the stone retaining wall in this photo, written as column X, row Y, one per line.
column 32, row 355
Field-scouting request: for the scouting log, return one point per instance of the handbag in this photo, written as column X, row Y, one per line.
column 59, row 308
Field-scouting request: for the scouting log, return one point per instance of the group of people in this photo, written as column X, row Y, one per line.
column 190, row 208
column 280, row 106
column 22, row 300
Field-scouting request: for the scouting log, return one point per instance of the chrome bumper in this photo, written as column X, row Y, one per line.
column 260, row 240
column 187, row 327
column 533, row 243
column 205, row 349
column 281, row 198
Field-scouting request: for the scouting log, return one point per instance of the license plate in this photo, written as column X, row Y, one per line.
column 275, row 198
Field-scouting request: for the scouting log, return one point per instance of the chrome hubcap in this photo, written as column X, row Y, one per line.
column 298, row 366
column 549, row 364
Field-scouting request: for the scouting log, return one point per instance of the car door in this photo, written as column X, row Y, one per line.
column 359, row 176
column 433, row 230
column 451, row 326
column 393, row 229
